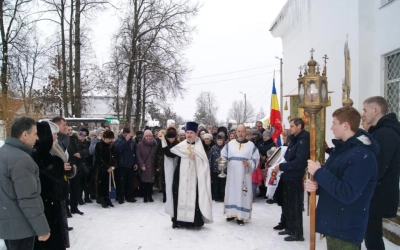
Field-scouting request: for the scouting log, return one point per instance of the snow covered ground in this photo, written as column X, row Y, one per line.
column 146, row 226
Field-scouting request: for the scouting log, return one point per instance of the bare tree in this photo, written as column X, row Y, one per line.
column 152, row 24
column 207, row 108
column 26, row 68
column 14, row 19
column 237, row 112
column 260, row 114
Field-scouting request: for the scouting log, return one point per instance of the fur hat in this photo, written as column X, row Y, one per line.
column 99, row 130
column 192, row 126
column 108, row 134
column 209, row 136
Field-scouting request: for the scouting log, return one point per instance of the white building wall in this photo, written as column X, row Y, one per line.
column 372, row 32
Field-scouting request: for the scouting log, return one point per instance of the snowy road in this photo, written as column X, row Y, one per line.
column 146, row 226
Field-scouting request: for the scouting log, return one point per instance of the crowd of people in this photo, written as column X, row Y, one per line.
column 49, row 171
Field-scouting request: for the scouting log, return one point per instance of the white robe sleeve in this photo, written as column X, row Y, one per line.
column 255, row 158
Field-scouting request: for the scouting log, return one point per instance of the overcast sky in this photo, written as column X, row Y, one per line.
column 232, row 41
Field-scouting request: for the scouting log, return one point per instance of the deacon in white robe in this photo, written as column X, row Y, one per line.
column 191, row 187
column 243, row 157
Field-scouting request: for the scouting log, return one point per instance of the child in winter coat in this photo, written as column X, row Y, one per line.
column 217, row 183
column 256, row 180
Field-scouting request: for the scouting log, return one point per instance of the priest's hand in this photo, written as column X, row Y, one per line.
column 192, row 156
column 110, row 169
column 313, row 166
column 144, row 168
column 246, row 163
column 311, row 186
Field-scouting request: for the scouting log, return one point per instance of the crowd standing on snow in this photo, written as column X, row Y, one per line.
column 49, row 171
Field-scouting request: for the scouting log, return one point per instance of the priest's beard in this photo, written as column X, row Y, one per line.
column 190, row 140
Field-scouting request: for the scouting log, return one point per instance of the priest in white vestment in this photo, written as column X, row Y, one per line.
column 243, row 158
column 191, row 187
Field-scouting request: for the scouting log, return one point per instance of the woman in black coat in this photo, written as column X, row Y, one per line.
column 105, row 163
column 53, row 179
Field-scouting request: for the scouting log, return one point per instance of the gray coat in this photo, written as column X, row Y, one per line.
column 21, row 206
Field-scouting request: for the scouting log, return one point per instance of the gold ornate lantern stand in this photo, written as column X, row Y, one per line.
column 313, row 96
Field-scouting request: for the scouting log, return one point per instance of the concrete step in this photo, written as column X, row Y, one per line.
column 396, row 219
column 391, row 231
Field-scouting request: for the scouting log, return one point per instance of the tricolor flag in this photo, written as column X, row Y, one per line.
column 275, row 117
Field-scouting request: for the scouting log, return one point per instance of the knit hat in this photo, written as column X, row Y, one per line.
column 271, row 152
column 182, row 132
column 108, row 134
column 147, row 132
column 99, row 130
column 54, row 128
column 209, row 136
column 267, row 133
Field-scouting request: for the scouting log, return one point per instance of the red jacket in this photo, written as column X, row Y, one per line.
column 257, row 176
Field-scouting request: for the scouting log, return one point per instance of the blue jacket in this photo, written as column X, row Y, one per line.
column 126, row 152
column 346, row 184
column 296, row 157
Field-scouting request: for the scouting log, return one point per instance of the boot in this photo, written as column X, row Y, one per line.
column 103, row 203
column 80, row 201
column 150, row 192
column 109, row 203
column 88, row 200
column 145, row 193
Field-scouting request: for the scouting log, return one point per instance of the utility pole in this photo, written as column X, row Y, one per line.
column 245, row 106
column 281, row 88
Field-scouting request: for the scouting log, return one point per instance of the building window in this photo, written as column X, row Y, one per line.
column 392, row 82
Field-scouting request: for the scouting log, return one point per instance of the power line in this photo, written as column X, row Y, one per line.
column 228, row 79
column 232, row 72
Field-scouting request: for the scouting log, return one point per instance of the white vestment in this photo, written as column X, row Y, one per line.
column 169, row 169
column 193, row 173
column 238, row 203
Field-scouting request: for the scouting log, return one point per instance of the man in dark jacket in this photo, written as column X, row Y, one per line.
column 346, row 182
column 125, row 148
column 386, row 131
column 20, row 189
column 291, row 182
column 77, row 151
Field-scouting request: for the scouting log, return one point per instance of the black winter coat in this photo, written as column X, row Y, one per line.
column 385, row 201
column 77, row 146
column 126, row 152
column 264, row 146
column 296, row 156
